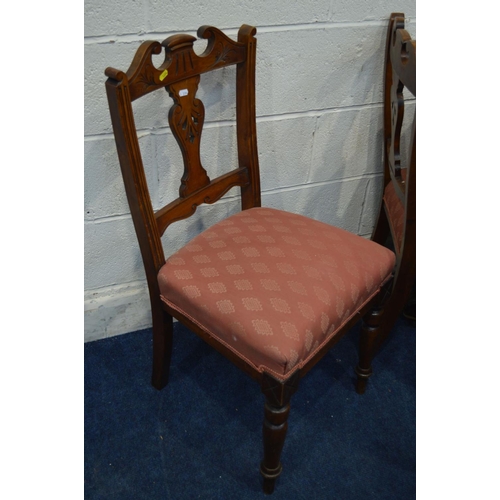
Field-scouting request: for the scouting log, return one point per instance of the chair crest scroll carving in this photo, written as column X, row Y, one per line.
column 180, row 60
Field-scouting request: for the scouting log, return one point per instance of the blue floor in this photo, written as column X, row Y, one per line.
column 200, row 437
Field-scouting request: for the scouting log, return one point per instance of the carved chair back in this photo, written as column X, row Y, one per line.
column 397, row 217
column 179, row 75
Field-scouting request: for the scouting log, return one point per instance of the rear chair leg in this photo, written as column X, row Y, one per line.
column 162, row 347
column 276, row 412
column 367, row 345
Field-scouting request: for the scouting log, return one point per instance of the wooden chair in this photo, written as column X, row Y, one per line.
column 270, row 290
column 396, row 221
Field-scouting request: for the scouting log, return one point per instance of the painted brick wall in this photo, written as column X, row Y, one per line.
column 319, row 124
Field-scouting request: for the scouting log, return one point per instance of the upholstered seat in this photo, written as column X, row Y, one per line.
column 274, row 286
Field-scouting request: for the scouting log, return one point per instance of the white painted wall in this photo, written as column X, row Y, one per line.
column 319, row 124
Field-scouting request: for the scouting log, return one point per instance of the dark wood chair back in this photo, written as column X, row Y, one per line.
column 400, row 73
column 179, row 75
column 399, row 201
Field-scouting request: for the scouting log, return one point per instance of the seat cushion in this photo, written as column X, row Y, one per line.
column 273, row 286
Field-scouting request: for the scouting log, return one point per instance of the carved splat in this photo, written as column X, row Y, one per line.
column 186, row 119
column 397, row 108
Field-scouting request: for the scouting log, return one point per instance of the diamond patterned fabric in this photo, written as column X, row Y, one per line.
column 273, row 286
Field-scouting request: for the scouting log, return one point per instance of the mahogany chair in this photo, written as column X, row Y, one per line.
column 396, row 221
column 271, row 290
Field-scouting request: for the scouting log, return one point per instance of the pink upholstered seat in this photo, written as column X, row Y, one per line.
column 273, row 286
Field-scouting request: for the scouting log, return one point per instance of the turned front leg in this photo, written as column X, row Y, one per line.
column 276, row 410
column 274, row 433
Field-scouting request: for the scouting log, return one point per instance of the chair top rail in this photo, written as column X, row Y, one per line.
column 180, row 61
column 403, row 54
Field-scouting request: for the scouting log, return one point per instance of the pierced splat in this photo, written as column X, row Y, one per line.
column 186, row 119
column 397, row 108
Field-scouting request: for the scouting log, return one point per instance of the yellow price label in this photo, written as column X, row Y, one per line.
column 163, row 75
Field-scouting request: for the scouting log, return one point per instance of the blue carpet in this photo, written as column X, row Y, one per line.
column 200, row 437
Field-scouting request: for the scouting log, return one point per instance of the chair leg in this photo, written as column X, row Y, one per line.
column 274, row 433
column 162, row 347
column 276, row 412
column 378, row 324
column 370, row 332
